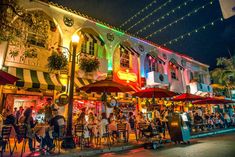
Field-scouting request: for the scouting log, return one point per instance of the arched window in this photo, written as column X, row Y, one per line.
column 160, row 68
column 37, row 29
column 173, row 72
column 152, row 63
column 124, row 57
column 91, row 43
column 191, row 75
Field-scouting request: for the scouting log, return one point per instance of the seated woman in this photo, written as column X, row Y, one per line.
column 28, row 121
column 140, row 118
column 112, row 127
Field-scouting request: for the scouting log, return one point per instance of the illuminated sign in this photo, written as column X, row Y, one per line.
column 122, row 75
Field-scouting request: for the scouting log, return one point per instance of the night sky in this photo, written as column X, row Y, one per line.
column 205, row 46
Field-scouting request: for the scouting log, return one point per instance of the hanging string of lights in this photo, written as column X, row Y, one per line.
column 183, row 36
column 179, row 19
column 173, row 11
column 150, row 14
column 138, row 13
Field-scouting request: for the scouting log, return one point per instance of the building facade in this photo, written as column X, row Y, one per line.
column 130, row 60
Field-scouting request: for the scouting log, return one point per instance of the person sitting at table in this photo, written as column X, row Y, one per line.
column 112, row 127
column 131, row 120
column 198, row 120
column 128, row 126
column 55, row 123
column 19, row 113
column 28, row 121
column 48, row 109
column 140, row 118
column 121, row 115
column 227, row 119
column 91, row 118
column 8, row 117
column 103, row 125
column 111, row 117
column 81, row 116
column 92, row 125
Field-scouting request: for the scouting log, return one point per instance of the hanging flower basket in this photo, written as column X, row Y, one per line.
column 88, row 63
column 57, row 61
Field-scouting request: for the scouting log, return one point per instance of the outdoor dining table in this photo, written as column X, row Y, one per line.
column 41, row 130
column 93, row 129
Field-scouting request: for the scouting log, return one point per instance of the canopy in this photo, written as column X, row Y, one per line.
column 36, row 79
column 106, row 85
column 154, row 93
column 187, row 97
column 6, row 78
column 210, row 100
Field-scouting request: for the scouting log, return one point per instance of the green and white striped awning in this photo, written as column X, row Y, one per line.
column 36, row 79
column 80, row 82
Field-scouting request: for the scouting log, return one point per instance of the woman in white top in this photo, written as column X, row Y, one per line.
column 103, row 125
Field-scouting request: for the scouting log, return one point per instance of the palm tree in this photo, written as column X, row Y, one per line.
column 224, row 74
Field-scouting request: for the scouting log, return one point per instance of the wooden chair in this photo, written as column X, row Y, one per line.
column 140, row 129
column 59, row 137
column 79, row 132
column 21, row 134
column 6, row 132
column 106, row 136
column 121, row 129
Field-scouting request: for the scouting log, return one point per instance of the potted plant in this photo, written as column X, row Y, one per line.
column 57, row 60
column 88, row 63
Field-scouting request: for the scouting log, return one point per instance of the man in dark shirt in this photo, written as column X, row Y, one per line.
column 56, row 122
column 197, row 119
column 8, row 117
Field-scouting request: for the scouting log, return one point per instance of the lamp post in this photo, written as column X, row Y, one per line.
column 68, row 141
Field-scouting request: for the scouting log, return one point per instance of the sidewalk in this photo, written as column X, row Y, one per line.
column 133, row 144
column 212, row 132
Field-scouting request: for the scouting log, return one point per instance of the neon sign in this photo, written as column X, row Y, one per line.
column 122, row 75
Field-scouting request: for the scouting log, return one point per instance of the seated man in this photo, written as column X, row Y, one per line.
column 198, row 121
column 54, row 123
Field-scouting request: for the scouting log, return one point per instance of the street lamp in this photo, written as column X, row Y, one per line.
column 68, row 141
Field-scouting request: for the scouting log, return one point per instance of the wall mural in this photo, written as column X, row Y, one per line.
column 37, row 37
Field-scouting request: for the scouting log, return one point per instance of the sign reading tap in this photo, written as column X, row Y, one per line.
column 127, row 76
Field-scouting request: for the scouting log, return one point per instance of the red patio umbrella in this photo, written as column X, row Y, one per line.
column 6, row 78
column 106, row 85
column 154, row 93
column 187, row 97
column 210, row 100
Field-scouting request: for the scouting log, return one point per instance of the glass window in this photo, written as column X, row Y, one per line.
column 37, row 40
column 201, row 78
column 83, row 47
column 124, row 58
column 160, row 68
column 91, row 48
column 191, row 75
column 173, row 72
column 173, row 75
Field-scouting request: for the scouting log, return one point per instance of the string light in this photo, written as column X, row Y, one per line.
column 150, row 14
column 177, row 20
column 167, row 14
column 193, row 31
column 138, row 13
